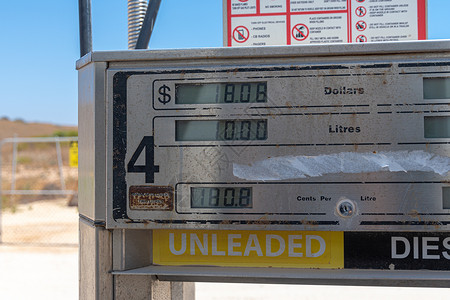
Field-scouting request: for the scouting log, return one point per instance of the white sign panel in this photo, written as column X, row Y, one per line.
column 292, row 22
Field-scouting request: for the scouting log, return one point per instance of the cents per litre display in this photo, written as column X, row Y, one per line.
column 221, row 197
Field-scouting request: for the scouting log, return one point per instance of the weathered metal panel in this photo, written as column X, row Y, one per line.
column 349, row 131
column 92, row 141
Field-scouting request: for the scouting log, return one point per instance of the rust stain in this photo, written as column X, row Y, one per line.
column 414, row 213
column 151, row 197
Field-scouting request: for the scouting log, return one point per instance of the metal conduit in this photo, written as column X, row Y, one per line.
column 136, row 16
column 85, row 22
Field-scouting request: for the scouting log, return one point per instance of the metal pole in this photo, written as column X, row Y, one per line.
column 147, row 26
column 84, row 13
column 14, row 165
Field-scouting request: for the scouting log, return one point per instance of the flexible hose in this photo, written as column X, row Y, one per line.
column 136, row 16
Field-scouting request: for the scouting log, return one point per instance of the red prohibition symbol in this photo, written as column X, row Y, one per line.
column 243, row 0
column 361, row 25
column 361, row 39
column 360, row 1
column 241, row 34
column 300, row 32
column 361, row 11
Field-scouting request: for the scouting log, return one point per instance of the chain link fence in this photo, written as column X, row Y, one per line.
column 38, row 192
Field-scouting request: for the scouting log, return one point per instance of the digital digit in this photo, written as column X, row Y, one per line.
column 261, row 130
column 229, row 93
column 214, row 194
column 229, row 130
column 244, row 197
column 261, row 92
column 245, row 130
column 229, row 197
column 245, row 92
column 218, row 132
column 217, row 93
column 202, row 197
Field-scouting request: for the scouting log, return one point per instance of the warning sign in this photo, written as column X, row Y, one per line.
column 300, row 32
column 73, row 155
column 258, row 31
column 289, row 22
column 361, row 39
column 361, row 11
column 242, row 7
column 361, row 26
column 241, row 34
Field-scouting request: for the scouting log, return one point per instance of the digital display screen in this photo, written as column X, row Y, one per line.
column 221, row 197
column 446, row 197
column 210, row 93
column 221, row 130
column 436, row 88
column 437, row 127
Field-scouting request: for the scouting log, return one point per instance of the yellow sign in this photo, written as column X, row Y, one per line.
column 73, row 154
column 285, row 249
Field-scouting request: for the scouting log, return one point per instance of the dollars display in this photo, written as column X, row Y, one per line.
column 210, row 93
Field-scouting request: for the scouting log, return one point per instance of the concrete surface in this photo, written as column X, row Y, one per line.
column 38, row 273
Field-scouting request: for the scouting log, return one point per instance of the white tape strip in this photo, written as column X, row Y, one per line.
column 290, row 167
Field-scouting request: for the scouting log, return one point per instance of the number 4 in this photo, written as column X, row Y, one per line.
column 149, row 168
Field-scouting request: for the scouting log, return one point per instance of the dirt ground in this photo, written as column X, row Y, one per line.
column 38, row 272
column 31, row 266
column 44, row 222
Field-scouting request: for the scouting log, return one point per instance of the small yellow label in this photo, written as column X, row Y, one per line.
column 73, row 154
column 285, row 249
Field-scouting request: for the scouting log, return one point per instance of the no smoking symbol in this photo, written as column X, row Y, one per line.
column 361, row 25
column 361, row 11
column 240, row 34
column 361, row 39
column 300, row 32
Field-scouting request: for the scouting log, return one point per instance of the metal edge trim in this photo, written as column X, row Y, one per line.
column 91, row 222
column 423, row 278
column 269, row 51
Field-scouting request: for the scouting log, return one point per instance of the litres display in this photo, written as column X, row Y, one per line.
column 221, row 130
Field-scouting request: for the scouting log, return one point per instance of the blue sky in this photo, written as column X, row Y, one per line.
column 40, row 45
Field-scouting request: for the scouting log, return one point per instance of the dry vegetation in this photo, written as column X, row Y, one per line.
column 22, row 129
column 37, row 164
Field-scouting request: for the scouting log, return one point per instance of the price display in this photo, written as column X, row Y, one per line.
column 208, row 93
column 221, row 197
